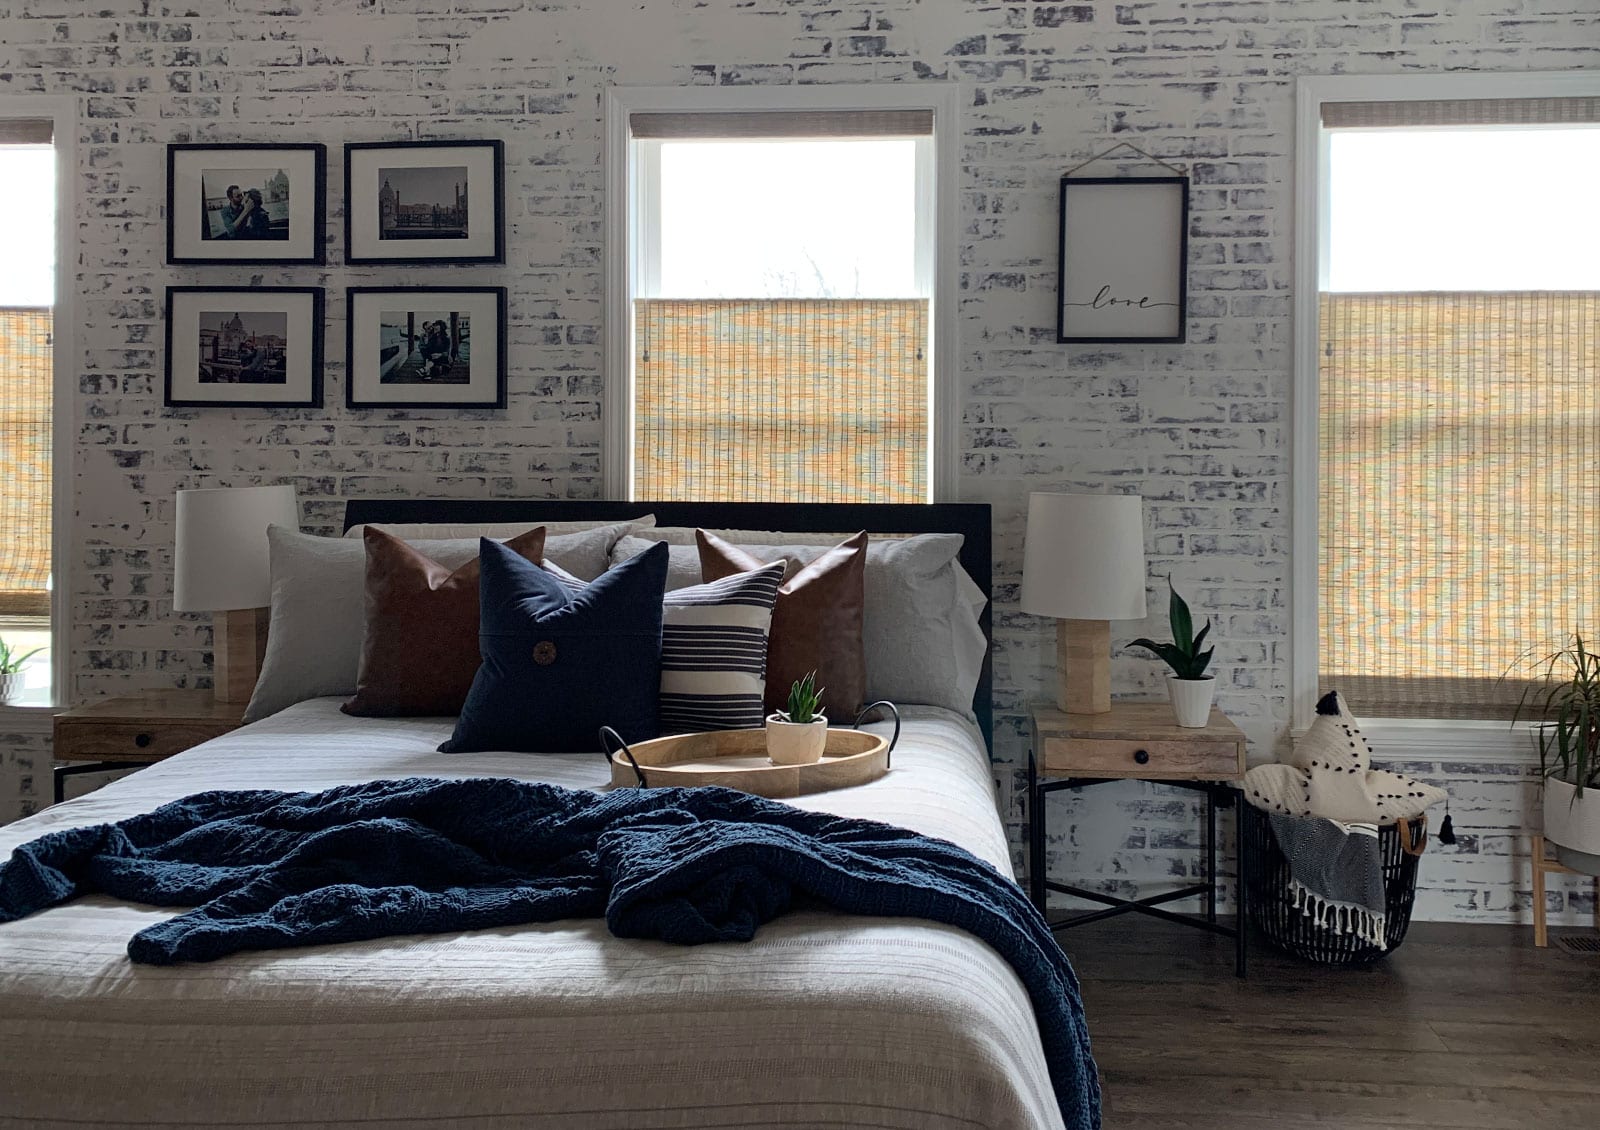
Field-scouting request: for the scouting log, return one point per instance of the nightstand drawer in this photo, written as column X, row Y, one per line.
column 126, row 741
column 1120, row 757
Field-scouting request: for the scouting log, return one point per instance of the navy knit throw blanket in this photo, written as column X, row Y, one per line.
column 265, row 869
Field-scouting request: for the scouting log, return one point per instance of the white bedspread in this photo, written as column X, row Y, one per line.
column 822, row 1020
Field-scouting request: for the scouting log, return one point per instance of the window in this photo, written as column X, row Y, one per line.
column 780, row 301
column 1456, row 332
column 27, row 368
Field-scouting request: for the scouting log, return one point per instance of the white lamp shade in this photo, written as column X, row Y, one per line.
column 1084, row 558
column 220, row 561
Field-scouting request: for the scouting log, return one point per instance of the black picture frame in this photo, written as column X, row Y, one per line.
column 1075, row 317
column 354, row 297
column 404, row 254
column 316, row 315
column 180, row 211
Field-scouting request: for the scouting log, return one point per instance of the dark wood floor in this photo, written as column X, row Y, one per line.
column 1462, row 1027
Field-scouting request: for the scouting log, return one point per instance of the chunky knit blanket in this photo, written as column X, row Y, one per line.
column 265, row 869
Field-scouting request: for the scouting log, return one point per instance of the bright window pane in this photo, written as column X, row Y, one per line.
column 788, row 219
column 28, row 225
column 1495, row 208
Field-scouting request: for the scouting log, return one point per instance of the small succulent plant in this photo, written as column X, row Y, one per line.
column 11, row 660
column 1183, row 654
column 805, row 701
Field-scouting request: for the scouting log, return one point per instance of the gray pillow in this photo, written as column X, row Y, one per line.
column 319, row 606
column 921, row 633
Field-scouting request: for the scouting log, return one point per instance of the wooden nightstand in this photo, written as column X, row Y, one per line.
column 1137, row 741
column 137, row 729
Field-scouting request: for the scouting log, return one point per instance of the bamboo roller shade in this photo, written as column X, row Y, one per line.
column 26, row 370
column 1460, row 494
column 781, row 400
column 1427, row 113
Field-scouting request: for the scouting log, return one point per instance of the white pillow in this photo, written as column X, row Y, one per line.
column 921, row 633
column 319, row 605
column 1328, row 774
column 499, row 531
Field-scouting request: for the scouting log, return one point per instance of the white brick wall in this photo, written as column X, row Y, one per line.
column 1199, row 429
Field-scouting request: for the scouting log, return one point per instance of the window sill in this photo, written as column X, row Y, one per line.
column 35, row 714
column 1427, row 739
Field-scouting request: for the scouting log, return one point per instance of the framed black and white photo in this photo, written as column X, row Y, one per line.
column 1124, row 259
column 424, row 202
column 422, row 347
column 246, row 204
column 244, row 347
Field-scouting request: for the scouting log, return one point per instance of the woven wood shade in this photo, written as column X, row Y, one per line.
column 25, row 395
column 1461, row 112
column 759, row 124
column 1460, row 494
column 781, row 400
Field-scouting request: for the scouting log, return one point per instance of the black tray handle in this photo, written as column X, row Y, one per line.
column 608, row 738
column 893, row 709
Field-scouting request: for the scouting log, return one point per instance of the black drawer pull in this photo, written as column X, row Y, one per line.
column 1141, row 756
column 142, row 740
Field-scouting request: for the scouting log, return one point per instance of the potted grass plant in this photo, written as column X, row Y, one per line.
column 1564, row 705
column 11, row 677
column 797, row 734
column 1188, row 686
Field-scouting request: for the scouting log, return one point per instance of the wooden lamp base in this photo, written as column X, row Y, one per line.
column 238, row 645
column 1083, row 666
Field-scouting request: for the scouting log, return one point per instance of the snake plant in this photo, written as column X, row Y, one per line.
column 1183, row 654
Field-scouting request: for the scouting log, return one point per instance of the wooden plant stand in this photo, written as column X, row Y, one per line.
column 1542, row 866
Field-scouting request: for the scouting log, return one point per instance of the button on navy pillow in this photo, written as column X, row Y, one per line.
column 558, row 665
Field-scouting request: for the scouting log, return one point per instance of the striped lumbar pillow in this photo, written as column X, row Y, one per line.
column 713, row 650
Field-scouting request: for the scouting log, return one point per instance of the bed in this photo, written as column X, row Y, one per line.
column 822, row 1020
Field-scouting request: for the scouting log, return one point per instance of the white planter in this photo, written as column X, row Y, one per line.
column 1191, row 700
column 792, row 744
column 11, row 687
column 1572, row 823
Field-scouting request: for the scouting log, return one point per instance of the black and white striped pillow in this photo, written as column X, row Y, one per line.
column 713, row 650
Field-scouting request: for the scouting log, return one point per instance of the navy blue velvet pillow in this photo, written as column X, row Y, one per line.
column 558, row 665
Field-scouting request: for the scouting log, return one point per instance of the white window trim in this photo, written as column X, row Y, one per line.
column 620, row 235
column 1466, row 741
column 63, row 111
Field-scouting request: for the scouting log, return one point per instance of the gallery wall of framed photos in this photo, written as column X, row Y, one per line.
column 411, row 203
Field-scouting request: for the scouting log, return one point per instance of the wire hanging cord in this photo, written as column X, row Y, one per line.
column 1104, row 153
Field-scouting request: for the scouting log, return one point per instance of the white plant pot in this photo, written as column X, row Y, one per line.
column 11, row 686
column 789, row 743
column 1572, row 823
column 1191, row 700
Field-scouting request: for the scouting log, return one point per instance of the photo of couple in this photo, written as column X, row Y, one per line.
column 425, row 347
column 243, row 348
column 245, row 204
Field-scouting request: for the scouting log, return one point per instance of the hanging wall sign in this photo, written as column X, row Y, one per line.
column 1124, row 259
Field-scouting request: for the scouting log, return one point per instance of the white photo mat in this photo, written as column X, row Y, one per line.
column 365, row 180
column 191, row 167
column 1123, row 259
column 302, row 385
column 364, row 362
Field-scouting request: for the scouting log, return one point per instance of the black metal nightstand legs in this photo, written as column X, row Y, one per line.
column 1218, row 794
column 62, row 772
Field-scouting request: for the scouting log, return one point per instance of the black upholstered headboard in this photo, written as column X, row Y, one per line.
column 970, row 519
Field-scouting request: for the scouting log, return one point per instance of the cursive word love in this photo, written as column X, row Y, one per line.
column 1103, row 298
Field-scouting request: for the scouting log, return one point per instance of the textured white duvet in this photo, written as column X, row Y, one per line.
column 822, row 1020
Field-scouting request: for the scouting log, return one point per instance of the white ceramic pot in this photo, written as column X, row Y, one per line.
column 1572, row 823
column 11, row 687
column 1191, row 700
column 789, row 743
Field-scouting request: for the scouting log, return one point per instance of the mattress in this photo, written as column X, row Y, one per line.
column 822, row 1020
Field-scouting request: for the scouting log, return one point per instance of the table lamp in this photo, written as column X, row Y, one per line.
column 1084, row 565
column 220, row 566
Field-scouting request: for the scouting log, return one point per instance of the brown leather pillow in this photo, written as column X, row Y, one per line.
column 816, row 625
column 421, row 647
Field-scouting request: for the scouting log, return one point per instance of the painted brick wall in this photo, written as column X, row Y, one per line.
column 1201, row 430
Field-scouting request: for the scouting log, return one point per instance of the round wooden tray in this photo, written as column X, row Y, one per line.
column 737, row 759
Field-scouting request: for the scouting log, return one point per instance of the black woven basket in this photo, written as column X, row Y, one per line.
column 1273, row 911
